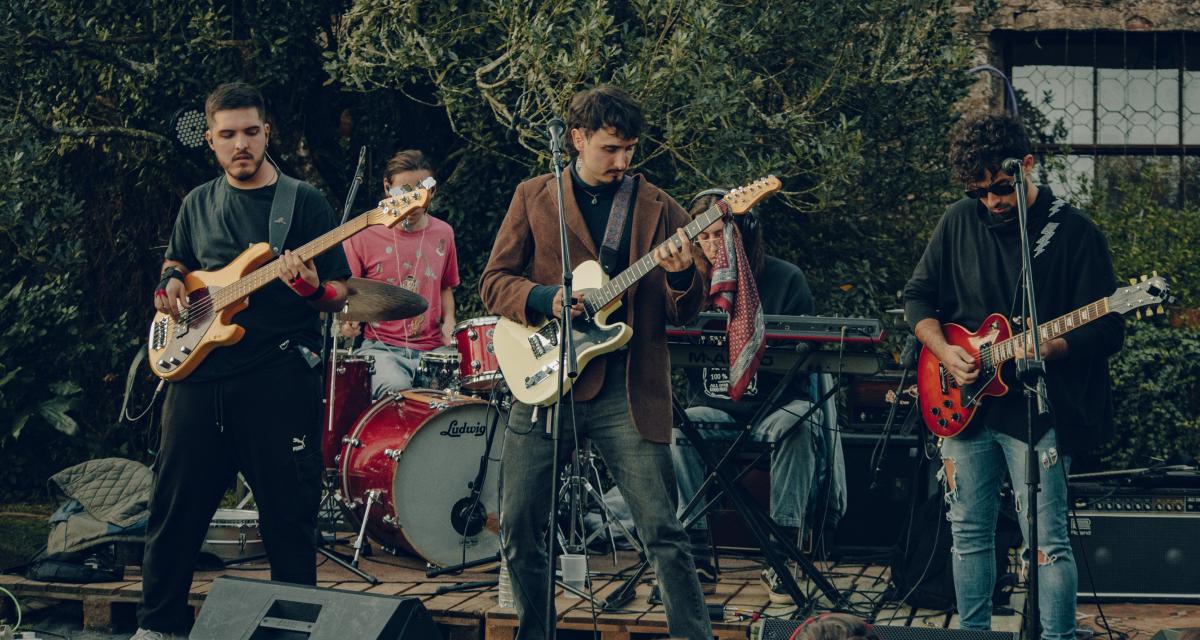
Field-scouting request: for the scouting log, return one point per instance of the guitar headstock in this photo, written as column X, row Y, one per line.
column 1148, row 292
column 743, row 199
column 400, row 204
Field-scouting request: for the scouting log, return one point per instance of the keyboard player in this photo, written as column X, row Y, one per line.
column 796, row 459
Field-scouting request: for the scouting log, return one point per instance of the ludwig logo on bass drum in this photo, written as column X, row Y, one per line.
column 455, row 429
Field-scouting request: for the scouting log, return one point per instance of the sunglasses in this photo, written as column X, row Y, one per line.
column 997, row 189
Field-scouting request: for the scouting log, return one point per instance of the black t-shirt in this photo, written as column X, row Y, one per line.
column 783, row 290
column 216, row 223
column 971, row 269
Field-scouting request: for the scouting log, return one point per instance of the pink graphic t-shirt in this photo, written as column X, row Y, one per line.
column 424, row 261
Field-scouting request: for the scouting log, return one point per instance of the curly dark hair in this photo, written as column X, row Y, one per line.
column 980, row 143
column 604, row 106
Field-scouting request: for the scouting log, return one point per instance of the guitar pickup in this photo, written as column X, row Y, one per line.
column 544, row 339
column 541, row 374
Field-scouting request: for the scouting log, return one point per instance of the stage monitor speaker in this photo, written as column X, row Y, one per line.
column 243, row 609
column 1136, row 544
column 780, row 629
column 1191, row 633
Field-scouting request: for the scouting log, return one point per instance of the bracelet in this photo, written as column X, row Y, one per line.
column 323, row 293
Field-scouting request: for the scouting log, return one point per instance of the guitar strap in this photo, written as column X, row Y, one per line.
column 619, row 219
column 283, row 206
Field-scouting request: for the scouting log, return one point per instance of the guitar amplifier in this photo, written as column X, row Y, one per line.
column 1136, row 544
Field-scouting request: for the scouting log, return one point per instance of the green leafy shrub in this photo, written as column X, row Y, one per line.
column 1157, row 396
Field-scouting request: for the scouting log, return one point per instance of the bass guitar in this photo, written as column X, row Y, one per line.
column 177, row 347
column 947, row 408
column 529, row 356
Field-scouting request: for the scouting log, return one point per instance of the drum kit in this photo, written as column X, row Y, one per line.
column 414, row 470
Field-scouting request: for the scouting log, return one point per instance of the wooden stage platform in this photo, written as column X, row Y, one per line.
column 475, row 615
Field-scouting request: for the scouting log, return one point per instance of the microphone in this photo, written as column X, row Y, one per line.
column 555, row 128
column 1011, row 166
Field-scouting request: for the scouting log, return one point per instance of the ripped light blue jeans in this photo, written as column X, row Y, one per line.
column 973, row 472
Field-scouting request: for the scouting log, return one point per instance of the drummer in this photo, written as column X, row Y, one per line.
column 419, row 255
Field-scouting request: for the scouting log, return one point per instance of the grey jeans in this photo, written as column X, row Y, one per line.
column 642, row 471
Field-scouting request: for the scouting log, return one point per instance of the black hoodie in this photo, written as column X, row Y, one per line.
column 971, row 269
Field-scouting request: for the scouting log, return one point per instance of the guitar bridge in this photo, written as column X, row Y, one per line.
column 541, row 374
column 158, row 334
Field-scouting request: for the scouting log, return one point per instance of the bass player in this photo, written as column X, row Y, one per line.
column 253, row 406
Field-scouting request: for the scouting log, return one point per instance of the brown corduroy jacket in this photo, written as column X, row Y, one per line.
column 526, row 253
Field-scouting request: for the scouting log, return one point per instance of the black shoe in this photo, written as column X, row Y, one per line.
column 707, row 574
column 774, row 585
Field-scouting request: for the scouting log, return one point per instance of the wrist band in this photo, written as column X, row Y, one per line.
column 325, row 292
column 166, row 276
column 302, row 287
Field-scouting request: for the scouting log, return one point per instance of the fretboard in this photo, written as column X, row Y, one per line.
column 601, row 297
column 263, row 275
column 1006, row 350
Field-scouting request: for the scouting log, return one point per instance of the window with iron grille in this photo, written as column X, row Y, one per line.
column 1119, row 105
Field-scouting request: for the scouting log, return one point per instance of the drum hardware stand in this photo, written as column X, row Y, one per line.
column 579, row 488
column 351, row 565
column 770, row 537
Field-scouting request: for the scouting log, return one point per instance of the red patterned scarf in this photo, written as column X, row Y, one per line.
column 733, row 290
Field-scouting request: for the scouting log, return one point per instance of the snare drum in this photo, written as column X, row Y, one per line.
column 439, row 368
column 479, row 369
column 233, row 535
column 347, row 396
column 408, row 468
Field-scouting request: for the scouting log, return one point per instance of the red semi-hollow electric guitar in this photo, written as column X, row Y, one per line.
column 948, row 408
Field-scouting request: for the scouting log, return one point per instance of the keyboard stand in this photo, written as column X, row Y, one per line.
column 755, row 518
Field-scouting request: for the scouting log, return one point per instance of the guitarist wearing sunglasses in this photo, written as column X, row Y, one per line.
column 971, row 269
column 253, row 406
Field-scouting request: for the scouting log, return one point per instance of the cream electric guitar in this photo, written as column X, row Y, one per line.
column 214, row 297
column 529, row 357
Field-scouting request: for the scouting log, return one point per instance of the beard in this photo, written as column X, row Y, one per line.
column 244, row 174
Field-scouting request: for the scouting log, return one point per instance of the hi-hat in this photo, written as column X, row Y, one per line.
column 375, row 301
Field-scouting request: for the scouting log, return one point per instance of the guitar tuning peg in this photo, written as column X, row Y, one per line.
column 1138, row 314
column 1161, row 311
column 1145, row 277
column 1149, row 311
column 1154, row 273
column 1133, row 281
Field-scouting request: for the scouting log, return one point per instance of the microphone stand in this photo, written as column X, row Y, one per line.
column 908, row 360
column 1030, row 371
column 568, row 367
column 331, row 372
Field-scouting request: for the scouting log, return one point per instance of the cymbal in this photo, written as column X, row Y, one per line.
column 375, row 301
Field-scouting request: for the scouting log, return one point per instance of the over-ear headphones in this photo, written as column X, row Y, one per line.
column 747, row 222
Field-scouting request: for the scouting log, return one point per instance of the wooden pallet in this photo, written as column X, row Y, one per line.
column 475, row 615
